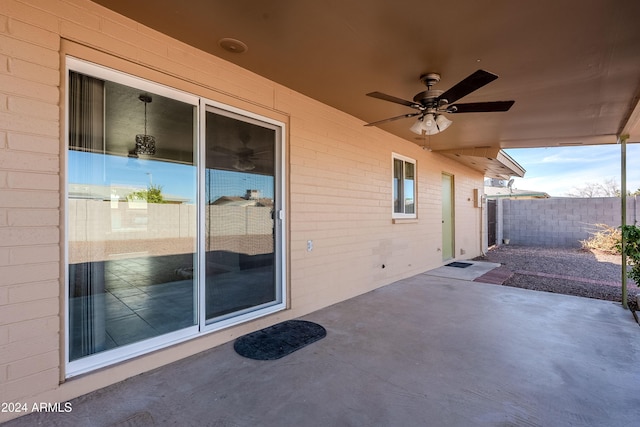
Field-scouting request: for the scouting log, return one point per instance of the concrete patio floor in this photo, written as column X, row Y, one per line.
column 429, row 350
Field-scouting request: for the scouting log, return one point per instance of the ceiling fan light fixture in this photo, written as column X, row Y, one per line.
column 442, row 122
column 244, row 165
column 417, row 127
column 429, row 125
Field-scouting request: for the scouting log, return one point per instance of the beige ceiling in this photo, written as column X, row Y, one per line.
column 572, row 67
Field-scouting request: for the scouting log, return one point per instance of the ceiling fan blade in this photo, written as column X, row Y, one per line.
column 390, row 98
column 481, row 107
column 404, row 116
column 260, row 153
column 224, row 150
column 473, row 82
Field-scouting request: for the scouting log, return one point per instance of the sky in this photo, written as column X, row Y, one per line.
column 175, row 179
column 560, row 170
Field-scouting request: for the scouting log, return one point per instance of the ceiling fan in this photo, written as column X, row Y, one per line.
column 431, row 104
column 244, row 157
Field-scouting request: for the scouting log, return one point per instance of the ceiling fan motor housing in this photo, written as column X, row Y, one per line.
column 428, row 98
column 429, row 79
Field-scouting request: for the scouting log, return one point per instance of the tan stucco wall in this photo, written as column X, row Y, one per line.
column 339, row 188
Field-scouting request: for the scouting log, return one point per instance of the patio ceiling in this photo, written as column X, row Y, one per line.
column 573, row 68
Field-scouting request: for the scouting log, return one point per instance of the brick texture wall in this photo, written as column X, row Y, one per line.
column 338, row 180
column 29, row 202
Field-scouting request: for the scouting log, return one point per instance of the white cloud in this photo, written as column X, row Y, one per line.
column 565, row 158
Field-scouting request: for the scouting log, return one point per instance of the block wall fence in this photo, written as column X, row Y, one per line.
column 560, row 222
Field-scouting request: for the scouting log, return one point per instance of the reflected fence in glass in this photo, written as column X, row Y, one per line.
column 131, row 218
column 124, row 288
column 239, row 216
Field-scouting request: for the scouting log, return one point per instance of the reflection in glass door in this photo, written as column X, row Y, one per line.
column 131, row 218
column 174, row 217
column 241, row 215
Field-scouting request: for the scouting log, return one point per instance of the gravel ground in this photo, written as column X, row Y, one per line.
column 567, row 271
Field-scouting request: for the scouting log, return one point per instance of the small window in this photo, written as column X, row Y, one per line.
column 404, row 187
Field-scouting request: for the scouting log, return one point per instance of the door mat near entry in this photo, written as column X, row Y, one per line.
column 458, row 264
column 279, row 340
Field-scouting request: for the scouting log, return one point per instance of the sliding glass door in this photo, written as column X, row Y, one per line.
column 131, row 215
column 242, row 215
column 174, row 216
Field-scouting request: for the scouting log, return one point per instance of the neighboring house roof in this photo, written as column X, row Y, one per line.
column 241, row 201
column 513, row 193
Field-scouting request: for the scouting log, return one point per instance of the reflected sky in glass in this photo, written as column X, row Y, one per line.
column 176, row 179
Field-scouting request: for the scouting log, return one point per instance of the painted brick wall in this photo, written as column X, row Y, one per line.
column 561, row 222
column 339, row 181
column 29, row 202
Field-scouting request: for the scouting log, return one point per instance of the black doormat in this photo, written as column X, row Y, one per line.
column 458, row 264
column 279, row 340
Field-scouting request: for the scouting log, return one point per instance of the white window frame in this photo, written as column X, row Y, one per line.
column 404, row 159
column 126, row 352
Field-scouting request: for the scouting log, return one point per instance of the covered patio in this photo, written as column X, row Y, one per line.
column 312, row 115
column 426, row 350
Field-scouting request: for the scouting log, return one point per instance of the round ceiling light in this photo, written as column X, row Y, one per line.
column 233, row 45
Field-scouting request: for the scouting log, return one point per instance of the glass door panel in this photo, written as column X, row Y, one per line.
column 132, row 216
column 240, row 225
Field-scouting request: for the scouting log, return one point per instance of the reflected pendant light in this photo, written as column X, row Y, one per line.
column 145, row 144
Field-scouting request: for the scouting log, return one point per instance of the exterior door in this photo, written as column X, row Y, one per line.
column 243, row 216
column 447, row 217
column 131, row 217
column 174, row 217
